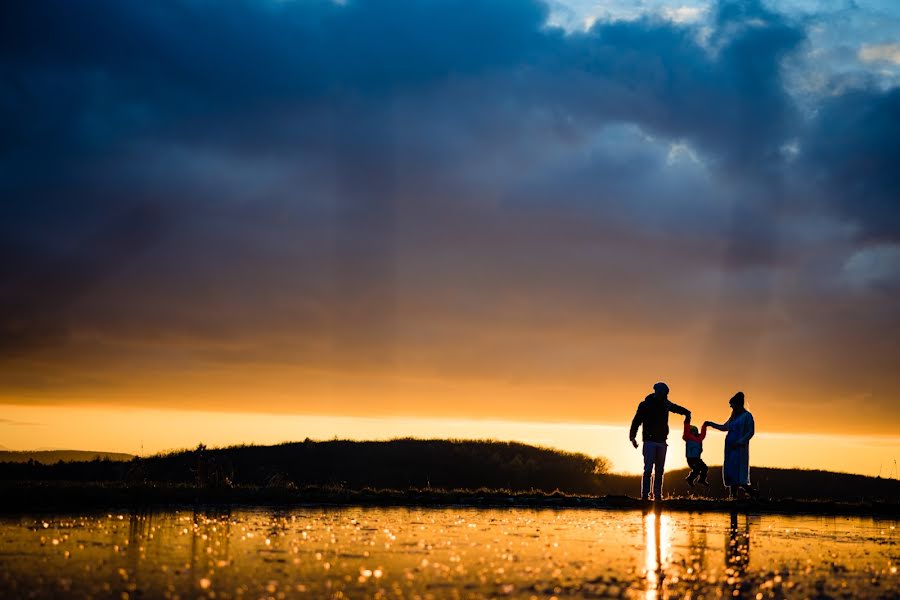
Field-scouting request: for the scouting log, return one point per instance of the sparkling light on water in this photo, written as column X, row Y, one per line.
column 451, row 552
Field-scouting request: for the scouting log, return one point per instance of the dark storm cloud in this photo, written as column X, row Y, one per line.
column 852, row 150
column 727, row 97
column 84, row 75
column 39, row 283
column 309, row 181
column 102, row 71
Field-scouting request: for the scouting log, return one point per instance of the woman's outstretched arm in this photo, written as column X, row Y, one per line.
column 722, row 427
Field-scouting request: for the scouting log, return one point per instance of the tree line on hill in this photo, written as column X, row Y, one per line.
column 396, row 464
column 53, row 456
column 431, row 464
column 799, row 484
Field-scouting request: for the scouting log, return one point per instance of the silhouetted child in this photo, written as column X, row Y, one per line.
column 693, row 448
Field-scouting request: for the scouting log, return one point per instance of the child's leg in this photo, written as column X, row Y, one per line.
column 692, row 476
column 703, row 471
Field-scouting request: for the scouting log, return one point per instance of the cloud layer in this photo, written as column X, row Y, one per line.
column 350, row 199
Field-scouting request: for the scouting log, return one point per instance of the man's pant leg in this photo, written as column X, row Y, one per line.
column 659, row 468
column 649, row 451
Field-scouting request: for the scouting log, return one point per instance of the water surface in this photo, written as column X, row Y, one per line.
column 446, row 552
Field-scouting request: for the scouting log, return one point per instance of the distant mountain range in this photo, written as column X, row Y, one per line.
column 49, row 457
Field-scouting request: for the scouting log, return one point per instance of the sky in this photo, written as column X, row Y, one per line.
column 268, row 220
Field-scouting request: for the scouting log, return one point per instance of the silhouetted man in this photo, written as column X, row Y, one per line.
column 653, row 415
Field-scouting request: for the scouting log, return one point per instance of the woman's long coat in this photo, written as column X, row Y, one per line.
column 736, row 468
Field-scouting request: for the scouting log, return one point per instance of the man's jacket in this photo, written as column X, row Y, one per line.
column 653, row 415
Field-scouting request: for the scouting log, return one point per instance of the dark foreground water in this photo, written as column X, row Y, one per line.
column 446, row 553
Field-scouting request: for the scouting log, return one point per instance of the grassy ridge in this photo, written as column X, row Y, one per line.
column 64, row 497
column 395, row 464
column 800, row 484
column 303, row 470
column 49, row 457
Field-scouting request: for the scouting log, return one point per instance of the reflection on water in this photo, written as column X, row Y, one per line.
column 737, row 555
column 658, row 542
column 466, row 553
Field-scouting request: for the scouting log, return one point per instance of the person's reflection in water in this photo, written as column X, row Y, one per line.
column 737, row 557
column 697, row 543
column 140, row 524
column 210, row 550
column 658, row 543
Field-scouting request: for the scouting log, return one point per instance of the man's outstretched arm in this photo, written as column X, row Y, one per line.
column 678, row 409
column 636, row 422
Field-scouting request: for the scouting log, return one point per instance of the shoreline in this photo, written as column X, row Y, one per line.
column 61, row 497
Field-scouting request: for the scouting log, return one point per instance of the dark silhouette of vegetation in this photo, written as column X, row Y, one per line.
column 799, row 484
column 52, row 456
column 396, row 464
column 67, row 496
column 414, row 472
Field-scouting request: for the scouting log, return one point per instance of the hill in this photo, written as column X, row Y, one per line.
column 52, row 456
column 405, row 464
column 395, row 464
column 799, row 484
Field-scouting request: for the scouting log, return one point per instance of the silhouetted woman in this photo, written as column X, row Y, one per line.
column 740, row 428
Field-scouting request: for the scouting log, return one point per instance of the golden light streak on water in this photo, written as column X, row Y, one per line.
column 658, row 552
